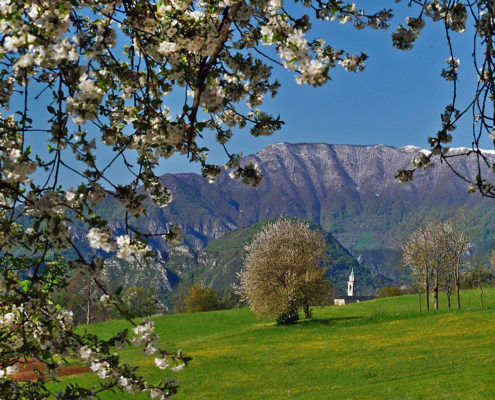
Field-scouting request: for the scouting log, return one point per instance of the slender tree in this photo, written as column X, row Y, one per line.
column 417, row 287
column 479, row 275
column 84, row 295
column 457, row 243
column 416, row 254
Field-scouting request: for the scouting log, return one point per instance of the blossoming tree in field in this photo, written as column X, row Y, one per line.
column 88, row 87
column 284, row 270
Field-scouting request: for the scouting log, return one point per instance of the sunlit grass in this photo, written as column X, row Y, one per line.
column 381, row 349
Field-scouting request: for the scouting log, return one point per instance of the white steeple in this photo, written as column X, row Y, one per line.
column 351, row 285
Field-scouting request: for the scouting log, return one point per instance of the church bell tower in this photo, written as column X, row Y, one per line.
column 351, row 285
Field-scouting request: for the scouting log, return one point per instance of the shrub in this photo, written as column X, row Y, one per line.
column 201, row 298
column 390, row 291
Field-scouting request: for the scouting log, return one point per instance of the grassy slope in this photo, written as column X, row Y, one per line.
column 381, row 349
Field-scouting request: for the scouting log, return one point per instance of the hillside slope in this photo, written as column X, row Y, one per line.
column 229, row 252
column 173, row 272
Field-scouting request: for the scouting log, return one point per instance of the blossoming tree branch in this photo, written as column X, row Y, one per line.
column 476, row 18
column 84, row 78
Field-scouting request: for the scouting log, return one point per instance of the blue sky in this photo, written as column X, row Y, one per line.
column 395, row 101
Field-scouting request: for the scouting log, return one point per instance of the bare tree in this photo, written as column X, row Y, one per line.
column 417, row 287
column 447, row 284
column 439, row 257
column 83, row 297
column 283, row 270
column 479, row 274
column 456, row 240
column 416, row 255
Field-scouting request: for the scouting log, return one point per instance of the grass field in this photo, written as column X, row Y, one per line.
column 380, row 349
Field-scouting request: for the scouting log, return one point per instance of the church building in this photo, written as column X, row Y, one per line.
column 351, row 285
column 352, row 296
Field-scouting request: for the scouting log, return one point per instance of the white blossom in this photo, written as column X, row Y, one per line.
column 178, row 368
column 156, row 394
column 11, row 370
column 100, row 239
column 128, row 248
column 8, row 319
column 162, row 362
column 104, row 298
column 86, row 354
column 175, row 235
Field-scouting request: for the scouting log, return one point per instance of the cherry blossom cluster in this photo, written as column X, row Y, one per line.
column 454, row 14
column 404, row 37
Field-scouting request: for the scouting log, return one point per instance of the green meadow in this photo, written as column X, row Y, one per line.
column 379, row 349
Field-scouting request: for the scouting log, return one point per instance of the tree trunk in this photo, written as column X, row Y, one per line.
column 288, row 317
column 435, row 290
column 481, row 295
column 427, row 292
column 307, row 311
column 458, row 289
column 88, row 311
column 419, row 301
column 448, row 298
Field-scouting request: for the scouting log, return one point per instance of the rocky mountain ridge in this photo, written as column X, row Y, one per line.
column 349, row 190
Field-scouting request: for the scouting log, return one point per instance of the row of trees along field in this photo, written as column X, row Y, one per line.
column 95, row 90
column 439, row 256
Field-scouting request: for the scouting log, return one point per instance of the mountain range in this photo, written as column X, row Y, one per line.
column 350, row 191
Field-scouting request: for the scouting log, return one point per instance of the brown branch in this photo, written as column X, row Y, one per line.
column 205, row 67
